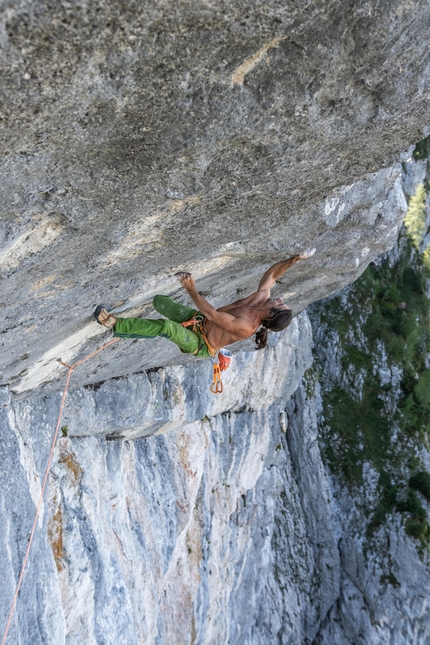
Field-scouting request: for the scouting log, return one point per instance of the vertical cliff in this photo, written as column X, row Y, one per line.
column 247, row 518
column 370, row 377
column 166, row 538
column 144, row 138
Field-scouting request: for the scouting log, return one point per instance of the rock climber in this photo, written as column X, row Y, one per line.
column 206, row 330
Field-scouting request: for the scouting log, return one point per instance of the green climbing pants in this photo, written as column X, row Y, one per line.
column 169, row 327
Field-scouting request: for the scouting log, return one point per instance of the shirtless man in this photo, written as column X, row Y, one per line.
column 205, row 330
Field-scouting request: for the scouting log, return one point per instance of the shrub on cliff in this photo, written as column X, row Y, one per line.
column 421, row 482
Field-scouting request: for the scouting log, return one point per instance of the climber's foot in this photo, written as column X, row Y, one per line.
column 103, row 317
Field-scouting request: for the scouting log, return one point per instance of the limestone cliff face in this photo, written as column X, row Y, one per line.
column 226, row 527
column 167, row 538
column 142, row 138
column 365, row 342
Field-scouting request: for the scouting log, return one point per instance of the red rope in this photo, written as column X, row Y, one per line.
column 45, row 481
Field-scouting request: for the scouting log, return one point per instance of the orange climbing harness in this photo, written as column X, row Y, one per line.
column 224, row 356
column 197, row 325
column 51, row 454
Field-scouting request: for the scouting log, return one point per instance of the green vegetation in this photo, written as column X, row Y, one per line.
column 390, row 579
column 310, row 379
column 383, row 330
column 416, row 524
column 64, row 431
column 415, row 223
column 422, row 149
column 421, row 482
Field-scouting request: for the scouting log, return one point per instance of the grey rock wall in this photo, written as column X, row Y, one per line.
column 141, row 138
column 384, row 573
column 167, row 538
column 225, row 527
column 371, row 592
column 382, row 590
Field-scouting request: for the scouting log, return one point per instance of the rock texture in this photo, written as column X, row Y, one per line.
column 141, row 138
column 226, row 527
column 384, row 572
column 162, row 539
column 382, row 589
column 371, row 592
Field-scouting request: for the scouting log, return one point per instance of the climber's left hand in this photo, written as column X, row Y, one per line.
column 186, row 279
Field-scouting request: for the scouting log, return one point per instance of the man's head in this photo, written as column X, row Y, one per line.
column 280, row 318
column 277, row 317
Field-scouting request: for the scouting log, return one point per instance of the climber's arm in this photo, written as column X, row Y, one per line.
column 278, row 269
column 238, row 326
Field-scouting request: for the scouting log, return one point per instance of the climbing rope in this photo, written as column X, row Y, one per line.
column 51, row 454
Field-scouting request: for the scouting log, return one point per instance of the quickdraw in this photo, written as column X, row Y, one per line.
column 217, row 386
column 224, row 360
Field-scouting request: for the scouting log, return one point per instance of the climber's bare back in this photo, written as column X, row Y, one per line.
column 245, row 310
column 240, row 319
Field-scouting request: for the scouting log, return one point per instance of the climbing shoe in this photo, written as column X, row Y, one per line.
column 104, row 318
